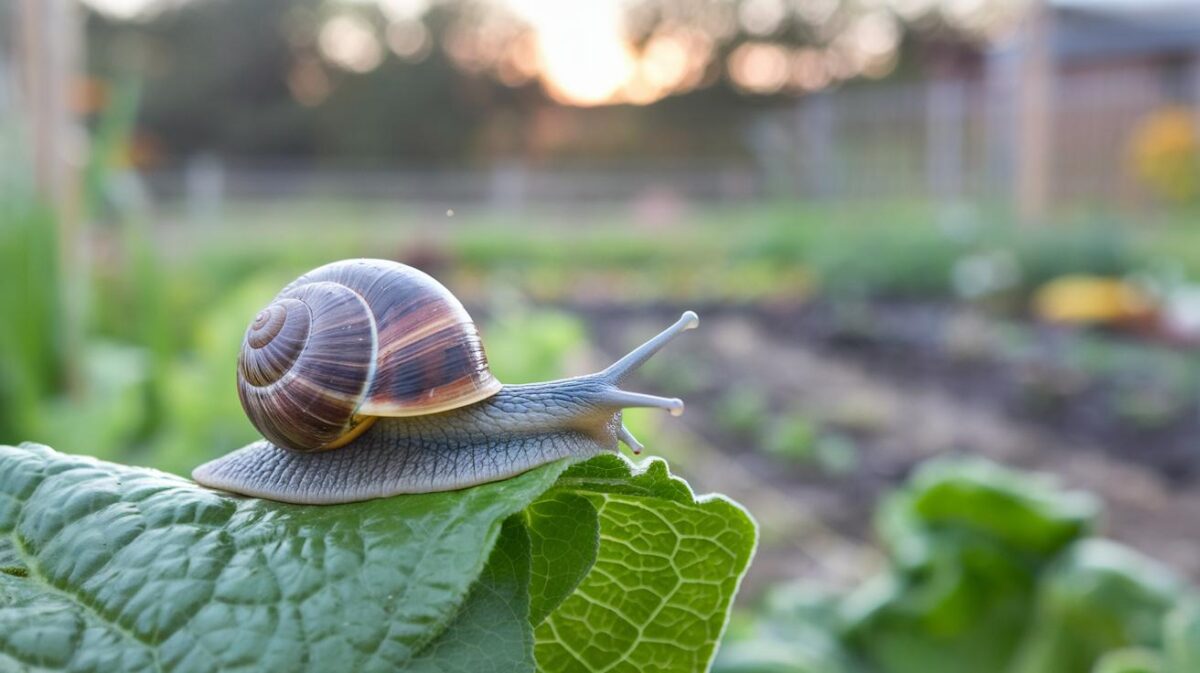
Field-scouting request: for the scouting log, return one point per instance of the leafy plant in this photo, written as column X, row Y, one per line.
column 31, row 347
column 968, row 542
column 793, row 437
column 1182, row 637
column 1098, row 597
column 990, row 572
column 797, row 438
column 744, row 411
column 597, row 565
column 1132, row 660
column 525, row 346
column 793, row 634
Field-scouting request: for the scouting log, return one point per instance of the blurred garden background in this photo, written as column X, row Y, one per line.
column 946, row 255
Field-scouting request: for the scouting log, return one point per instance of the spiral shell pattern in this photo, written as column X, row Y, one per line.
column 355, row 340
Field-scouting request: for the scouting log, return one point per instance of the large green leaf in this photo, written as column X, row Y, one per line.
column 658, row 596
column 137, row 569
column 111, row 568
column 492, row 632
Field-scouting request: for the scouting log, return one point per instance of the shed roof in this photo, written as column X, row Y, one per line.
column 1102, row 28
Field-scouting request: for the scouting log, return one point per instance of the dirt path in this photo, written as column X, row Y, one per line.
column 818, row 526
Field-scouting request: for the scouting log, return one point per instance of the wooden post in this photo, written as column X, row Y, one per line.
column 1035, row 114
column 49, row 56
column 945, row 129
column 817, row 126
column 49, row 51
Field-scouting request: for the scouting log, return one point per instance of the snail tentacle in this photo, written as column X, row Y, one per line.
column 624, row 399
column 632, row 442
column 619, row 370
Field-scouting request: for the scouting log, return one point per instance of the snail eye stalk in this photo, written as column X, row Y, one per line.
column 612, row 396
column 632, row 442
column 624, row 399
column 622, row 368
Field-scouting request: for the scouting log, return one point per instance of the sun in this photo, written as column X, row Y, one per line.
column 584, row 56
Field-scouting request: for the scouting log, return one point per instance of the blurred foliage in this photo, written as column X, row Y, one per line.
column 470, row 91
column 794, row 436
column 798, row 438
column 1164, row 152
column 1183, row 637
column 428, row 110
column 31, row 345
column 761, row 253
column 1132, row 660
column 1097, row 597
column 1096, row 247
column 991, row 571
column 167, row 304
column 968, row 543
column 744, row 411
column 788, row 634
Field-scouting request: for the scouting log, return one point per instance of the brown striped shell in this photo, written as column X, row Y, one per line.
column 352, row 341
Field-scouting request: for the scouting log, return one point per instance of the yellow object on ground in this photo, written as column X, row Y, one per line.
column 1165, row 153
column 1090, row 300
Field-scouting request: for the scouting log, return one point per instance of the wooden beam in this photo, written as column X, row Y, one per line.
column 1035, row 115
column 49, row 44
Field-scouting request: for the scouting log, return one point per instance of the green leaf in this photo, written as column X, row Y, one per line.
column 1130, row 660
column 492, row 632
column 135, row 569
column 968, row 540
column 112, row 568
column 10, row 561
column 564, row 529
column 1099, row 596
column 1029, row 514
column 1182, row 636
column 669, row 564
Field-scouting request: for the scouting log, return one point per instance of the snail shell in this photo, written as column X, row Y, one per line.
column 356, row 340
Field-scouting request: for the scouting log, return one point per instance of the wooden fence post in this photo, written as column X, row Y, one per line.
column 49, row 45
column 1035, row 114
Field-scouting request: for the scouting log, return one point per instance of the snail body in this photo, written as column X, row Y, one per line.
column 368, row 379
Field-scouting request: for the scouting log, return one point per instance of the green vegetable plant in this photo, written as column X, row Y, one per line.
column 600, row 565
column 797, row 438
column 1098, row 597
column 1132, row 660
column 1181, row 636
column 991, row 571
column 968, row 542
column 743, row 411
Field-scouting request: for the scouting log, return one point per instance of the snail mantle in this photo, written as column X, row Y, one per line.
column 367, row 378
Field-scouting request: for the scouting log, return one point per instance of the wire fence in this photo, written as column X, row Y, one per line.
column 956, row 140
column 942, row 140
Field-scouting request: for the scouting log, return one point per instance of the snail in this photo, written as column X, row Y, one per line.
column 367, row 378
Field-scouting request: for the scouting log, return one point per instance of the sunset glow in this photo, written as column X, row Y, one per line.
column 584, row 57
column 586, row 53
column 583, row 53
